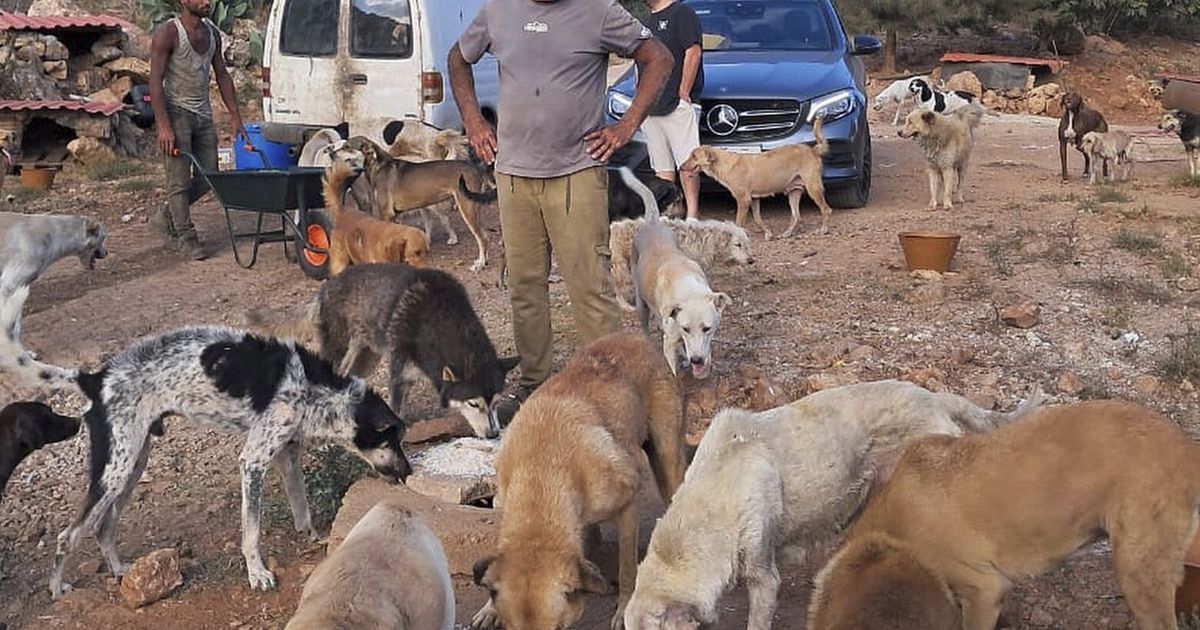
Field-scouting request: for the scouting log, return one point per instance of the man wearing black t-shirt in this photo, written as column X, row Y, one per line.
column 672, row 129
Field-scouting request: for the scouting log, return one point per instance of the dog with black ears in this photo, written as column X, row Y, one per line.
column 279, row 395
column 24, row 428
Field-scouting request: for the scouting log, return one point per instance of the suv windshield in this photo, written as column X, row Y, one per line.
column 763, row 25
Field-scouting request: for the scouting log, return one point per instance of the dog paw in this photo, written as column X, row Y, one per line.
column 119, row 570
column 478, row 265
column 452, row 239
column 60, row 589
column 618, row 619
column 261, row 579
column 486, row 618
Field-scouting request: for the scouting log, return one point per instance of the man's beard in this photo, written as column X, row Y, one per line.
column 200, row 13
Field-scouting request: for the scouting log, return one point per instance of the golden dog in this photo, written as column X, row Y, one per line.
column 979, row 512
column 946, row 140
column 359, row 238
column 569, row 461
column 792, row 170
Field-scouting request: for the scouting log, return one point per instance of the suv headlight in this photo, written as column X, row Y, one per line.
column 832, row 106
column 618, row 104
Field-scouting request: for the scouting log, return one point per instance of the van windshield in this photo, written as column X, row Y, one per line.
column 380, row 28
column 763, row 25
column 309, row 28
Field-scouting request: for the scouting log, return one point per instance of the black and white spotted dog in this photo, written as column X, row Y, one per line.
column 276, row 393
column 934, row 100
column 1187, row 125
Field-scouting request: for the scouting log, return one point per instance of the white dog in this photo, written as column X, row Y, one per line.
column 674, row 287
column 707, row 242
column 1113, row 149
column 896, row 93
column 391, row 572
column 768, row 485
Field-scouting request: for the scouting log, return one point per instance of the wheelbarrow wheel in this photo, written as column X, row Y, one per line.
column 313, row 256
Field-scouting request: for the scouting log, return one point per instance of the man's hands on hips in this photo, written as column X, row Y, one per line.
column 603, row 143
column 482, row 138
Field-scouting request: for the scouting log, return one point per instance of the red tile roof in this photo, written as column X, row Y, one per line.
column 20, row 22
column 104, row 109
column 1055, row 65
column 1168, row 76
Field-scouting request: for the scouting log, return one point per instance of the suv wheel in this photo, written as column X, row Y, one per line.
column 857, row 194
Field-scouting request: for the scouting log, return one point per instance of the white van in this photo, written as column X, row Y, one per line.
column 365, row 63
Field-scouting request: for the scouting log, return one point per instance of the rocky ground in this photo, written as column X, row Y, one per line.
column 1110, row 272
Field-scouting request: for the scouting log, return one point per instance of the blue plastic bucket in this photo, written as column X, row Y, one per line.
column 276, row 152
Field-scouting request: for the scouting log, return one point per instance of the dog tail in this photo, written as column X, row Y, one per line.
column 15, row 360
column 303, row 328
column 971, row 114
column 485, row 197
column 337, row 182
column 822, row 145
column 975, row 419
column 643, row 191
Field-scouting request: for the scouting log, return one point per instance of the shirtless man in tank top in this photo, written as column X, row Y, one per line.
column 184, row 51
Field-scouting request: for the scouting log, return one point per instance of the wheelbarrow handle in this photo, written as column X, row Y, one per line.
column 196, row 163
column 248, row 146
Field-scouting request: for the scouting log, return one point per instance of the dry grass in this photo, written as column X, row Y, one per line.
column 113, row 170
column 1110, row 194
column 1136, row 242
column 1183, row 360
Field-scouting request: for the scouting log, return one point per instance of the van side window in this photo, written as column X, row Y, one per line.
column 380, row 28
column 309, row 28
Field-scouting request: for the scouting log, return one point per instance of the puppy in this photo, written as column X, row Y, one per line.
column 981, row 512
column 570, row 460
column 898, row 92
column 398, row 186
column 1109, row 147
column 946, row 141
column 321, row 148
column 359, row 238
column 1077, row 120
column 624, row 204
column 675, row 288
column 24, row 428
column 791, row 170
column 350, row 588
column 279, row 395
column 1188, row 127
column 934, row 100
column 707, row 242
column 766, row 486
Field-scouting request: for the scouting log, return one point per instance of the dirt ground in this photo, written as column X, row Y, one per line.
column 1111, row 269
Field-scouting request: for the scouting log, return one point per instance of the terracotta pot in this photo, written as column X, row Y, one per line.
column 929, row 250
column 36, row 178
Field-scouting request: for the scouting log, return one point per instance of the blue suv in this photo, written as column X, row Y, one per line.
column 770, row 68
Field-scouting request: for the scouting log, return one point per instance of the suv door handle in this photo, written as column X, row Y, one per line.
column 358, row 79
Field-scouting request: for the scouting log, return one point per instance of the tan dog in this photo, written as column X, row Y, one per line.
column 570, row 460
column 418, row 141
column 397, row 186
column 390, row 572
column 982, row 512
column 764, row 487
column 674, row 287
column 1112, row 149
column 707, row 242
column 359, row 238
column 946, row 140
column 791, row 170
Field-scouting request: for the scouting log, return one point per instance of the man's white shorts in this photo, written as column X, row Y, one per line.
column 672, row 137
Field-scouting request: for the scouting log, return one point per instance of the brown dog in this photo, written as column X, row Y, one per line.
column 397, row 186
column 359, row 238
column 792, row 170
column 1077, row 120
column 982, row 511
column 569, row 461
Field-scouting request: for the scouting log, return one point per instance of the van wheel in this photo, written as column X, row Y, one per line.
column 314, row 251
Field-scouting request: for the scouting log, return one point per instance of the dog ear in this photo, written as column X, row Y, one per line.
column 928, row 117
column 508, row 363
column 479, row 571
column 391, row 131
column 448, row 374
column 721, row 300
column 591, row 580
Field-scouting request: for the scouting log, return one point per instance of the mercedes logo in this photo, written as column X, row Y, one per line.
column 722, row 120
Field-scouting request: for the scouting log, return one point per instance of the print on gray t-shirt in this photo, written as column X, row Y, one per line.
column 553, row 62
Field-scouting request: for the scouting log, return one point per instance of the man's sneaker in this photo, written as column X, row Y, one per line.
column 508, row 404
column 192, row 248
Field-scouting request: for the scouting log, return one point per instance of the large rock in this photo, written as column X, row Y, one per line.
column 456, row 472
column 91, row 80
column 151, row 578
column 965, row 81
column 237, row 45
column 27, row 81
column 55, row 8
column 137, row 69
column 90, row 150
column 1022, row 314
column 466, row 533
column 104, row 54
column 1036, row 104
column 121, row 86
column 55, row 50
column 56, row 70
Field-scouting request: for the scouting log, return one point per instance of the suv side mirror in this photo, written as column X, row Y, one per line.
column 865, row 45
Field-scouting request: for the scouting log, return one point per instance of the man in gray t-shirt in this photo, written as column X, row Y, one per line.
column 549, row 155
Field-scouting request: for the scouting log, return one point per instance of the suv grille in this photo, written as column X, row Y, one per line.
column 749, row 120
